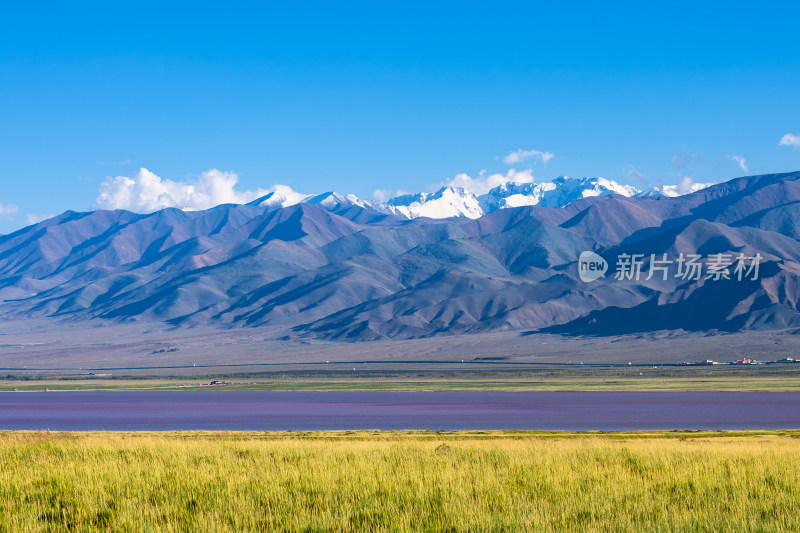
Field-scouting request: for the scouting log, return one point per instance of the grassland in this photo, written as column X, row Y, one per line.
column 664, row 378
column 387, row 481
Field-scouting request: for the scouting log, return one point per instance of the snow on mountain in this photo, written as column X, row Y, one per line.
column 458, row 202
column 281, row 196
column 445, row 203
column 310, row 272
column 560, row 192
column 334, row 200
column 450, row 201
column 511, row 195
column 673, row 191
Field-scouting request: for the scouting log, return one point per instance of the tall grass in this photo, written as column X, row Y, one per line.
column 398, row 481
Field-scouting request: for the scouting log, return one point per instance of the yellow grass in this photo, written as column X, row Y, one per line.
column 494, row 382
column 390, row 481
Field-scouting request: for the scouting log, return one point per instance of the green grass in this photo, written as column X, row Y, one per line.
column 399, row 481
column 692, row 380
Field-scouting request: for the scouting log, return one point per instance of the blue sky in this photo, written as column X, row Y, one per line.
column 367, row 96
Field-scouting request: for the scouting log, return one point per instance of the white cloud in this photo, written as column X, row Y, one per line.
column 635, row 175
column 8, row 209
column 33, row 218
column 739, row 161
column 145, row 192
column 686, row 159
column 282, row 196
column 682, row 161
column 483, row 183
column 523, row 155
column 790, row 140
column 684, row 186
column 384, row 195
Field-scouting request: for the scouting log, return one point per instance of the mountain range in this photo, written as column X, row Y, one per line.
column 449, row 262
column 450, row 201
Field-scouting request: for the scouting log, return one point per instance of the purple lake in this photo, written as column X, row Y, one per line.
column 295, row 410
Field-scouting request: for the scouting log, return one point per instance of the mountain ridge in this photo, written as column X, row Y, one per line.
column 335, row 269
column 451, row 201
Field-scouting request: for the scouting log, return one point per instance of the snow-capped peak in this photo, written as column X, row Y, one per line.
column 451, row 201
column 445, row 203
column 560, row 192
column 331, row 200
column 281, row 196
